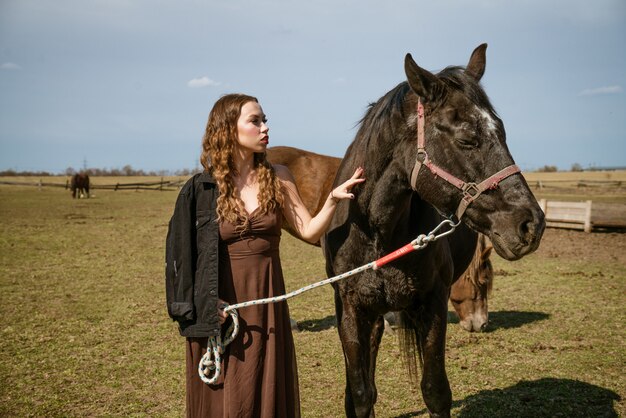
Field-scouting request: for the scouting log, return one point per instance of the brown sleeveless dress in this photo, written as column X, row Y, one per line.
column 259, row 374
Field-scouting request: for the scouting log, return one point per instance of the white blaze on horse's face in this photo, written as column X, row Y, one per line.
column 489, row 122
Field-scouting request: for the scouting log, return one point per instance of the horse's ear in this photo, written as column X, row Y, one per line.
column 477, row 62
column 422, row 82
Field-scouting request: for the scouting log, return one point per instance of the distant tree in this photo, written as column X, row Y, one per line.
column 127, row 170
column 548, row 169
column 184, row 172
column 25, row 173
column 69, row 171
column 576, row 167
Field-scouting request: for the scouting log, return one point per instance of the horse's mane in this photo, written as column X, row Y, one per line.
column 456, row 78
column 473, row 272
column 379, row 122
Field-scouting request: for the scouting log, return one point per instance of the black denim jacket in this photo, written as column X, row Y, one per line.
column 191, row 258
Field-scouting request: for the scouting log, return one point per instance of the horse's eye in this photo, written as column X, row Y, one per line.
column 467, row 143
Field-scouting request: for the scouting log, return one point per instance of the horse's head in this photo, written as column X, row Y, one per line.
column 469, row 294
column 464, row 145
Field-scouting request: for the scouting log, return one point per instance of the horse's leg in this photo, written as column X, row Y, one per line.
column 378, row 329
column 358, row 332
column 432, row 338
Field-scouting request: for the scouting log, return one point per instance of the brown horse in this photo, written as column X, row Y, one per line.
column 469, row 292
column 80, row 185
column 313, row 174
column 433, row 149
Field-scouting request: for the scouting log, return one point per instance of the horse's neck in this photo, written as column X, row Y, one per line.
column 395, row 212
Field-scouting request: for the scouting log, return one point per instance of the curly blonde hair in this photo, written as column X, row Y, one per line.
column 218, row 144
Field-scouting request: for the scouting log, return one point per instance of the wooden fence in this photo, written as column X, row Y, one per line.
column 579, row 184
column 161, row 185
column 571, row 215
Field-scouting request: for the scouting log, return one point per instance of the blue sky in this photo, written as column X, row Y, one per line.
column 117, row 82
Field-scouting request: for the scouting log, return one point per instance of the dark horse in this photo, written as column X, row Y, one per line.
column 314, row 174
column 80, row 184
column 463, row 138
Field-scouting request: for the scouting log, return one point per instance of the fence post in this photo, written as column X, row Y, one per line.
column 39, row 185
column 588, row 217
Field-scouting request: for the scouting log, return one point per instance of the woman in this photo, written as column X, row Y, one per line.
column 238, row 205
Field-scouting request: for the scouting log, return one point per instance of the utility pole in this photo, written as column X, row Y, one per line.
column 84, row 163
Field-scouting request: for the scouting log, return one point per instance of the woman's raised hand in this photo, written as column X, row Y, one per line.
column 343, row 191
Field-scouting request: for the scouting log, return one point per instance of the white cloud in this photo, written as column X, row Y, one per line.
column 601, row 90
column 202, row 82
column 10, row 66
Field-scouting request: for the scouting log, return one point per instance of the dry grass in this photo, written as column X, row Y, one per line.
column 86, row 332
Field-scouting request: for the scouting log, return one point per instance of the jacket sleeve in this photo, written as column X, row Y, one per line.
column 180, row 248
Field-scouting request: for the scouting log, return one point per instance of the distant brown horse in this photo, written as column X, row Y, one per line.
column 80, row 184
column 314, row 174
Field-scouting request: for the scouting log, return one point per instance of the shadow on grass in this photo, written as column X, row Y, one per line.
column 548, row 397
column 513, row 319
column 317, row 325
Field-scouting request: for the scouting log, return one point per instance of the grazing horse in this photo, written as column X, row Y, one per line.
column 469, row 293
column 313, row 174
column 80, row 183
column 416, row 143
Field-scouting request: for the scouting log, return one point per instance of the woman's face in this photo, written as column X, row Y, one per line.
column 251, row 128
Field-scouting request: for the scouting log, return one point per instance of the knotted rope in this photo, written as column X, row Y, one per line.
column 212, row 359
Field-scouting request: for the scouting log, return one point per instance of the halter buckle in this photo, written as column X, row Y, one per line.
column 470, row 192
column 421, row 155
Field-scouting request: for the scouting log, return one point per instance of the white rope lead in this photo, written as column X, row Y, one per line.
column 212, row 359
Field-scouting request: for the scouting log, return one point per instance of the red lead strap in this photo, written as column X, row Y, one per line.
column 392, row 256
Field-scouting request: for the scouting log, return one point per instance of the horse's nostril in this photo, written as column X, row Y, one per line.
column 525, row 228
column 483, row 327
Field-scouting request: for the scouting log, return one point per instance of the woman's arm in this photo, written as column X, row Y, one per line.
column 311, row 228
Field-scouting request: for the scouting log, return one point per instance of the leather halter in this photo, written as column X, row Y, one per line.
column 471, row 191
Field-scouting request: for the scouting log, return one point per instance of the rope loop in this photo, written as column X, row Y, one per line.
column 211, row 361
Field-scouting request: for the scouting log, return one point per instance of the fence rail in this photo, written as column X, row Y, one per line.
column 162, row 185
column 571, row 215
column 543, row 184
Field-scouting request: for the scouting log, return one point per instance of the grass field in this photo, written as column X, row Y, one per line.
column 86, row 332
